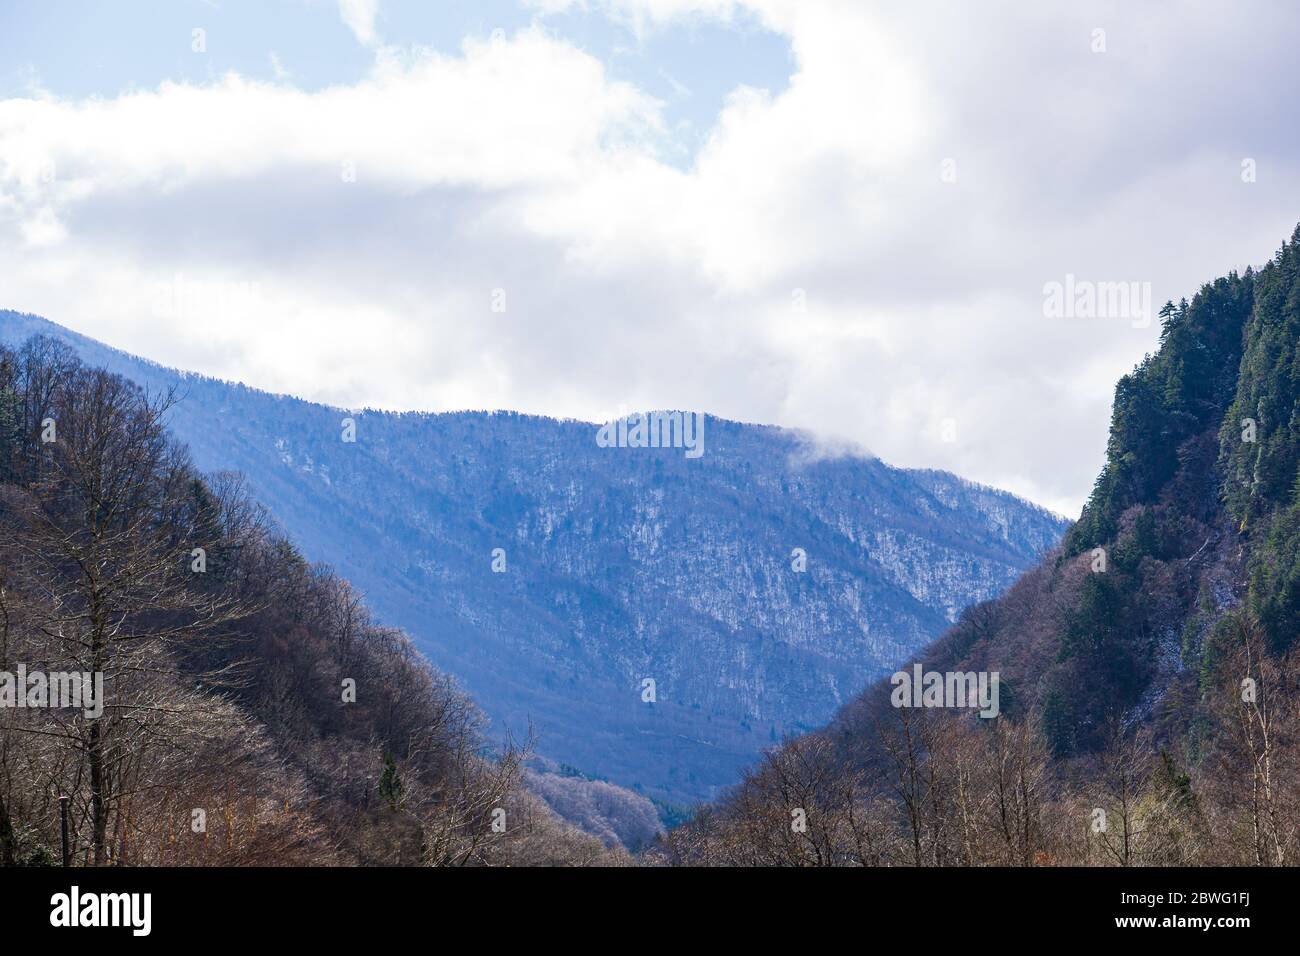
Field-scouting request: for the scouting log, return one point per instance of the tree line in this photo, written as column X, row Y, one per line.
column 886, row 786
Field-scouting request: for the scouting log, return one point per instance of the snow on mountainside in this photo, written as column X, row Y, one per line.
column 622, row 565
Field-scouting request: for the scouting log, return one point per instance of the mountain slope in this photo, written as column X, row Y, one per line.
column 245, row 709
column 621, row 564
column 1150, row 692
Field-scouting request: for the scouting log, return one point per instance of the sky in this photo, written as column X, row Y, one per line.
column 935, row 231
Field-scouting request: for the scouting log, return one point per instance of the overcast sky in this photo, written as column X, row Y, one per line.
column 838, row 216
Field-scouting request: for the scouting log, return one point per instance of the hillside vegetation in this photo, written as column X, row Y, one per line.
column 252, row 711
column 1149, row 706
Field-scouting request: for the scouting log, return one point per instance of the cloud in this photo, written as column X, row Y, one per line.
column 816, row 265
column 359, row 17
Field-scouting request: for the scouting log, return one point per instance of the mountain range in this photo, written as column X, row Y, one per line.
column 652, row 619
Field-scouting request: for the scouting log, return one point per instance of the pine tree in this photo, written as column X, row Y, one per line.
column 390, row 782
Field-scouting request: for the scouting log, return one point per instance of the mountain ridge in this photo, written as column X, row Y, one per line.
column 1149, row 679
column 619, row 568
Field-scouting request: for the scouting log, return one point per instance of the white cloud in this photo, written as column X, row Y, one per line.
column 520, row 164
column 359, row 17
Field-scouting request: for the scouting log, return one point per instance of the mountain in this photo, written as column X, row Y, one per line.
column 196, row 694
column 619, row 565
column 1149, row 682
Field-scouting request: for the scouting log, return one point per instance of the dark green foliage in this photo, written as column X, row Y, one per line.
column 671, row 814
column 1262, row 477
column 1141, row 542
column 1176, row 781
column 1181, row 479
column 1169, row 398
column 1275, row 578
column 1102, row 663
column 390, row 782
column 1094, row 628
column 31, row 851
column 1153, row 508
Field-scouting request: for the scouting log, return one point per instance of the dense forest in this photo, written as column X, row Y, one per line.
column 1149, row 706
column 252, row 711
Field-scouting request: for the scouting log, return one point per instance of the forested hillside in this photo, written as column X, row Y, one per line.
column 252, row 711
column 1148, row 668
column 760, row 585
